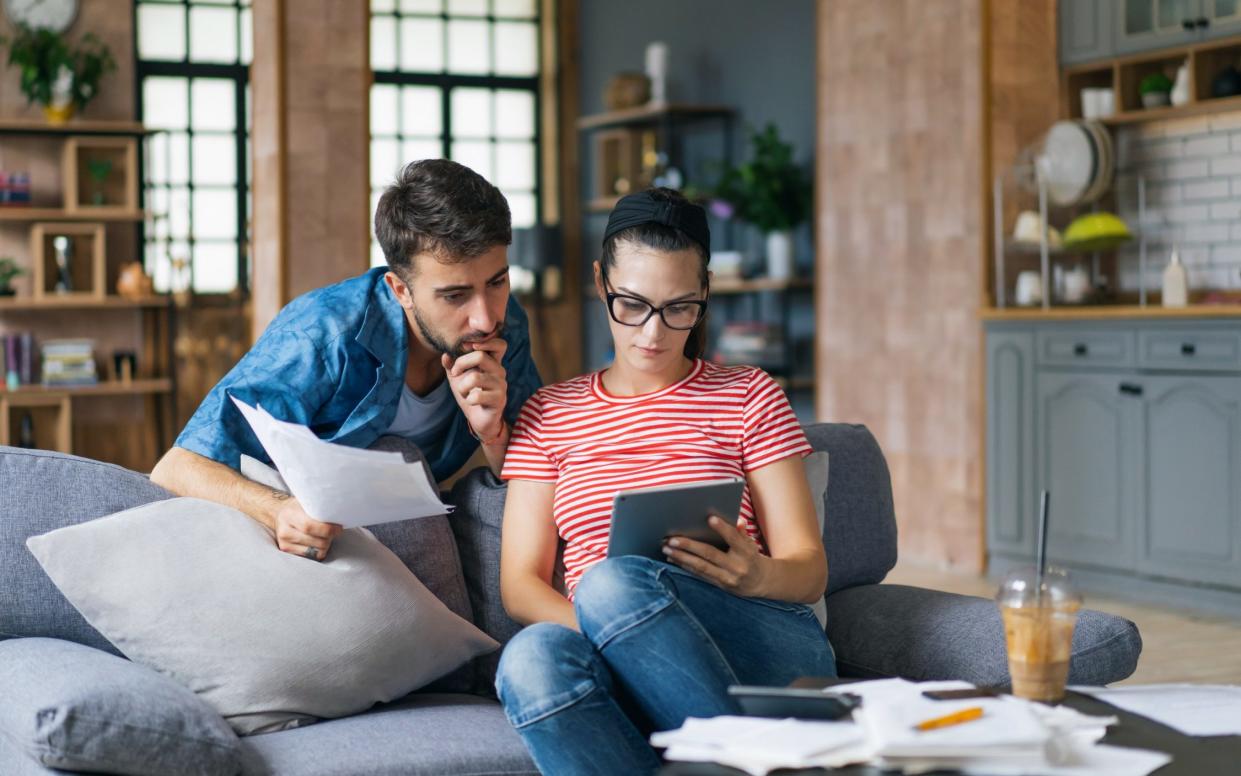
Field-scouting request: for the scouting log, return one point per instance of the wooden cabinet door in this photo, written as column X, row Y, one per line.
column 1088, row 441
column 1010, row 442
column 1192, row 522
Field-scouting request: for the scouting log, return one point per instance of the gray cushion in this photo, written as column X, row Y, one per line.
column 78, row 708
column 424, row 735
column 479, row 501
column 918, row 634
column 269, row 639
column 860, row 529
column 41, row 491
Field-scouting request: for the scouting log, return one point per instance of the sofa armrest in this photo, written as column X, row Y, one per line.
column 918, row 634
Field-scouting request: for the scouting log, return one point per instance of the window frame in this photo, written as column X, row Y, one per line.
column 446, row 81
column 239, row 74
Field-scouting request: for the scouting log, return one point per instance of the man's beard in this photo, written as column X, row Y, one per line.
column 457, row 349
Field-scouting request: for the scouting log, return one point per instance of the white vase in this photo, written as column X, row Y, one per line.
column 780, row 254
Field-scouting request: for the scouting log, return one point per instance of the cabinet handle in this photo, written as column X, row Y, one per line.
column 1203, row 22
column 1188, row 349
column 1080, row 349
column 1131, row 389
column 1188, row 24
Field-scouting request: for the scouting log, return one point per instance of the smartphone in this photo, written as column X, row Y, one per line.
column 793, row 702
column 962, row 694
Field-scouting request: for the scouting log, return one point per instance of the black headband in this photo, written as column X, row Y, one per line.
column 642, row 208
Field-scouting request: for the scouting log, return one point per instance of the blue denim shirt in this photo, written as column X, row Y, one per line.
column 334, row 360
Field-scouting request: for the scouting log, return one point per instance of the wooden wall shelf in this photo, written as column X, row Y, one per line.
column 23, row 214
column 54, row 302
column 742, row 286
column 1124, row 76
column 15, row 126
column 651, row 114
column 103, row 388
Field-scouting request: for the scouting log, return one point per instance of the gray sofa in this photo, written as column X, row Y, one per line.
column 456, row 726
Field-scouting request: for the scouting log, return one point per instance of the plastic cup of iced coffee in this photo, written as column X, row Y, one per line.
column 1039, row 615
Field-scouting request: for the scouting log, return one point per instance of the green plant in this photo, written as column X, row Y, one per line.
column 99, row 169
column 52, row 72
column 1155, row 83
column 8, row 270
column 769, row 191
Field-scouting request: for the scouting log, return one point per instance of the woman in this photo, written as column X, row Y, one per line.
column 634, row 644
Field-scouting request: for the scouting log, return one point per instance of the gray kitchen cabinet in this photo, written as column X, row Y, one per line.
column 1192, row 501
column 1145, row 25
column 1010, row 441
column 1134, row 427
column 1223, row 18
column 1086, row 30
column 1088, row 438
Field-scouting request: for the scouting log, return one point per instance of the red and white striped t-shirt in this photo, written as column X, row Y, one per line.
column 719, row 421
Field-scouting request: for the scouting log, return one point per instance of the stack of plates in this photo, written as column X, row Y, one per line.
column 1077, row 162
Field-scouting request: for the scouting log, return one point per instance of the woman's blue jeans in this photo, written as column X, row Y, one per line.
column 657, row 645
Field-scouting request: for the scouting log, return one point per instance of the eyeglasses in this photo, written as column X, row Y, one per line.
column 632, row 311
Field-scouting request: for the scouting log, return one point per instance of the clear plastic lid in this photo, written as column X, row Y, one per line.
column 1022, row 588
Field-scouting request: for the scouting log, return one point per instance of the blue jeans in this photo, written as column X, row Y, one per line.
column 657, row 645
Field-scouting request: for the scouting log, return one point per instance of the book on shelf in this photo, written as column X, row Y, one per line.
column 18, row 359
column 69, row 362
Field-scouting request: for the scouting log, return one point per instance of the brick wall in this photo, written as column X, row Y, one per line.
column 1192, row 169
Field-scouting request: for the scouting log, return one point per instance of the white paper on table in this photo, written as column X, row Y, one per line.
column 339, row 484
column 758, row 745
column 891, row 708
column 1087, row 760
column 1192, row 709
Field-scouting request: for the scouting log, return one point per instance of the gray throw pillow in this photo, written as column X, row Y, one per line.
column 816, row 475
column 199, row 592
column 76, row 708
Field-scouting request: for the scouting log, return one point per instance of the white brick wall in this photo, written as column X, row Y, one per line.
column 1192, row 168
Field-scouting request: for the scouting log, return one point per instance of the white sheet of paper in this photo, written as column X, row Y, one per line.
column 339, row 484
column 1192, row 709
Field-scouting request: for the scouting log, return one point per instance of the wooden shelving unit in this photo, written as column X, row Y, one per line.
column 1124, row 76
column 86, row 207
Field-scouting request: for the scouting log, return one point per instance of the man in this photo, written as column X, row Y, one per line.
column 432, row 349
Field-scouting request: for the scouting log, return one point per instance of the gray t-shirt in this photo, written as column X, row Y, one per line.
column 423, row 419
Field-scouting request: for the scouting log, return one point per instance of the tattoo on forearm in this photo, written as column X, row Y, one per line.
column 279, row 495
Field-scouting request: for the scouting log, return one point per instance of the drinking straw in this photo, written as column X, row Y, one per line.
column 1042, row 539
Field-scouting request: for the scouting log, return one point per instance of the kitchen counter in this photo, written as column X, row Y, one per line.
column 1108, row 312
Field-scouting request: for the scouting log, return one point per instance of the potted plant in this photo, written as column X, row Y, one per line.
column 1155, row 89
column 771, row 192
column 60, row 77
column 8, row 270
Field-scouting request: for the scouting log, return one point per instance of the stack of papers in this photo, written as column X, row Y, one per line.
column 1012, row 736
column 339, row 484
column 758, row 745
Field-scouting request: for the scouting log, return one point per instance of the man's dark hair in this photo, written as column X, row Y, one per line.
column 441, row 208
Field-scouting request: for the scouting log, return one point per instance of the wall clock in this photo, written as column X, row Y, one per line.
column 55, row 15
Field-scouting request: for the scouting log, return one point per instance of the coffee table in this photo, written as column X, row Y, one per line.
column 1191, row 756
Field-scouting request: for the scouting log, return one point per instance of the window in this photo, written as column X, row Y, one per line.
column 457, row 79
column 193, row 60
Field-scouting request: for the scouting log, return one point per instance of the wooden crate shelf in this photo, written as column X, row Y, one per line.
column 1124, row 76
column 58, row 302
column 139, row 387
column 18, row 213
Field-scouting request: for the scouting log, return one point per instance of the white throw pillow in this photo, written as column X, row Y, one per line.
column 199, row 592
column 816, row 475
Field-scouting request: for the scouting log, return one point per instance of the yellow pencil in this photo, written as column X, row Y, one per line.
column 955, row 718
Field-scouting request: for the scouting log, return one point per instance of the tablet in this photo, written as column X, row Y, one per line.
column 643, row 519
